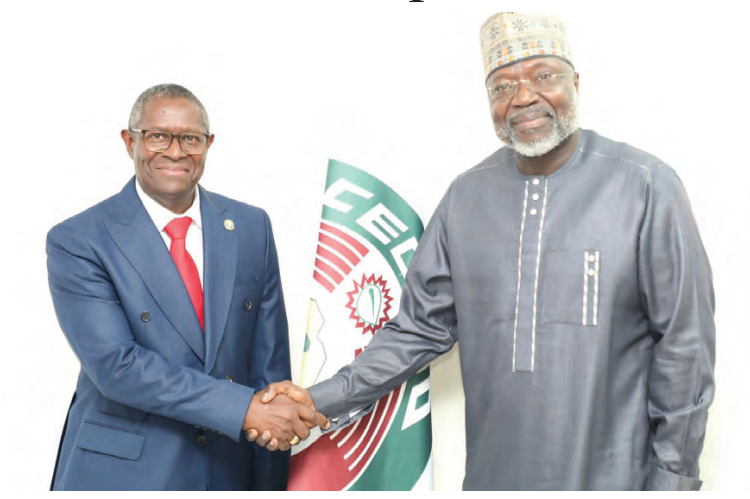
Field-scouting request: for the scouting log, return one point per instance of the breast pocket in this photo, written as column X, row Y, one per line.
column 571, row 292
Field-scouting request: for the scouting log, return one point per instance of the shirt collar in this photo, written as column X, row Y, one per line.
column 161, row 216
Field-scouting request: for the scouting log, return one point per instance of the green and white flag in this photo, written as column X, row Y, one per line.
column 367, row 237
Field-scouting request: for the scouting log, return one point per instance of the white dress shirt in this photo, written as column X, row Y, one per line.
column 162, row 216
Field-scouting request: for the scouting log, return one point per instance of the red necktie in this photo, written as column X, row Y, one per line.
column 177, row 230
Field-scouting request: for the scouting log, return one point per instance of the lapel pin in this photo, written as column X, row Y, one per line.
column 228, row 224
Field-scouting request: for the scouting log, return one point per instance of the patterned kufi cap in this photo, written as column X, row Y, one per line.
column 510, row 37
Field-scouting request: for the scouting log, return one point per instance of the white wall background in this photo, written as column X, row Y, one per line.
column 392, row 87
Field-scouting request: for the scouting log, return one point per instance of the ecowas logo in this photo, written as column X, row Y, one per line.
column 367, row 238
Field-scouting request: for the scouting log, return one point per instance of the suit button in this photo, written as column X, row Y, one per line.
column 145, row 317
column 201, row 440
column 230, row 377
column 248, row 305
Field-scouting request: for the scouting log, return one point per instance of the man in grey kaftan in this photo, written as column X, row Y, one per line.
column 570, row 269
column 583, row 305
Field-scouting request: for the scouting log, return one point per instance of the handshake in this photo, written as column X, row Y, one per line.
column 281, row 416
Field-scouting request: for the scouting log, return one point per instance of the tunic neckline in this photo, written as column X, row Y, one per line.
column 572, row 160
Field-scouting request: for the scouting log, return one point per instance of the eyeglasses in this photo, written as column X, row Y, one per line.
column 159, row 141
column 507, row 89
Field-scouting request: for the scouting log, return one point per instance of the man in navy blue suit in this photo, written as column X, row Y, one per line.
column 170, row 297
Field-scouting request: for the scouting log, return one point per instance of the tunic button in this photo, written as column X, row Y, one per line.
column 145, row 316
column 592, row 258
column 201, row 440
column 248, row 305
column 535, row 181
column 535, row 197
column 533, row 211
column 592, row 272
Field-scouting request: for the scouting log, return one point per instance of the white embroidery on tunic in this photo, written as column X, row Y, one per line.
column 591, row 271
column 596, row 288
column 585, row 286
column 536, row 278
column 520, row 253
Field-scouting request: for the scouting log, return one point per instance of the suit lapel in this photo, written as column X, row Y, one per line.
column 135, row 234
column 220, row 269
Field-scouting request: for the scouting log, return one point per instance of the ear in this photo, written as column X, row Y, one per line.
column 210, row 141
column 575, row 81
column 127, row 137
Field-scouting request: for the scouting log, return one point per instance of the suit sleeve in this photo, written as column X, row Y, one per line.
column 424, row 328
column 270, row 363
column 94, row 323
column 677, row 294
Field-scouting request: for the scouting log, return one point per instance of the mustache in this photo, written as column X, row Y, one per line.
column 504, row 129
column 531, row 110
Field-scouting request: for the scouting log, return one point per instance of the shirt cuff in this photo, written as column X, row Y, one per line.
column 330, row 401
column 661, row 479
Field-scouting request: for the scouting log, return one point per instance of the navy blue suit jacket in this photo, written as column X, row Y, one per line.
column 159, row 405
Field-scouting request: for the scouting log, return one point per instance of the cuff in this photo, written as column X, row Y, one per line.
column 330, row 401
column 231, row 410
column 329, row 398
column 661, row 479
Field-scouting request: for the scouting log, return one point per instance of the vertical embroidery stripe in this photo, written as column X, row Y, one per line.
column 585, row 286
column 520, row 253
column 596, row 288
column 536, row 277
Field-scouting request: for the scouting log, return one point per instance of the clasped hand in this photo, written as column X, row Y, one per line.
column 282, row 415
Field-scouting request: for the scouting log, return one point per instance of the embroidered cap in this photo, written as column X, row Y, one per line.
column 510, row 37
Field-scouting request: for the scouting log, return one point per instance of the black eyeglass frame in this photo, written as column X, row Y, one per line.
column 171, row 138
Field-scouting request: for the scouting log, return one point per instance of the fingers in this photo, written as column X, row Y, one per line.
column 299, row 395
column 269, row 393
column 300, row 429
column 313, row 418
column 273, row 445
column 251, row 435
column 322, row 421
column 262, row 441
column 266, row 436
column 275, row 425
column 289, row 389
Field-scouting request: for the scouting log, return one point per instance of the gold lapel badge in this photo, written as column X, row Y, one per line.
column 228, row 224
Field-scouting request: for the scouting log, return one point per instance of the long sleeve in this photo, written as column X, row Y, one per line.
column 96, row 326
column 424, row 328
column 270, row 363
column 677, row 294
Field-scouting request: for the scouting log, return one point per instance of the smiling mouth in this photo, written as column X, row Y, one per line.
column 173, row 171
column 530, row 121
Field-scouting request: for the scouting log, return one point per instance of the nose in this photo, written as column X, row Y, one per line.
column 525, row 96
column 174, row 150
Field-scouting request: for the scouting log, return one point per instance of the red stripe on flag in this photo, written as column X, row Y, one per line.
column 323, row 281
column 328, row 270
column 340, row 264
column 333, row 243
column 324, row 466
column 346, row 237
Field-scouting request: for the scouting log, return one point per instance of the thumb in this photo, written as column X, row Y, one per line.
column 269, row 394
column 322, row 421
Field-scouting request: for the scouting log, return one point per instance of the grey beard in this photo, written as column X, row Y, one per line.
column 562, row 128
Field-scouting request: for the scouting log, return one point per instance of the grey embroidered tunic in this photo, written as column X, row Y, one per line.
column 583, row 304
